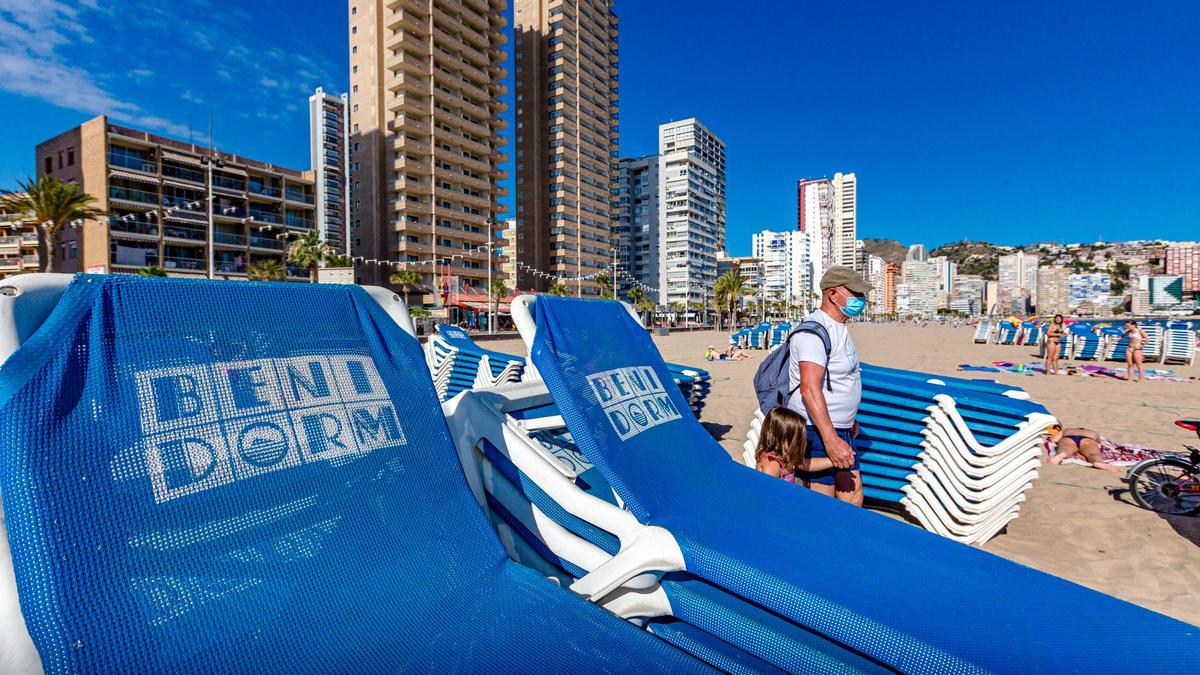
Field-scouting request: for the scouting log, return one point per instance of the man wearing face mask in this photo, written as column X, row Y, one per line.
column 831, row 403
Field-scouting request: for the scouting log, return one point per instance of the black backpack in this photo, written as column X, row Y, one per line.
column 771, row 379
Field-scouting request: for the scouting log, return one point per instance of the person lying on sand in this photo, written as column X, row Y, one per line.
column 1079, row 441
column 732, row 354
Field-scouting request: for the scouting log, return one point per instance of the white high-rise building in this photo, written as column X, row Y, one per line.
column 945, row 280
column 691, row 202
column 876, row 277
column 917, row 252
column 814, row 215
column 1018, row 278
column 921, row 276
column 787, row 265
column 845, row 219
column 328, row 134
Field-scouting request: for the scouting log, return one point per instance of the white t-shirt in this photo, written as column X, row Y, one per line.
column 845, row 377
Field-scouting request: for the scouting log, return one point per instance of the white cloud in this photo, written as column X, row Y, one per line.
column 31, row 33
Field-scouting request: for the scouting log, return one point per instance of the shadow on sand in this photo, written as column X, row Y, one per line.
column 1187, row 527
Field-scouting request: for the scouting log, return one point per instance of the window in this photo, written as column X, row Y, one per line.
column 60, row 159
column 49, row 164
column 353, row 10
column 354, row 69
column 354, row 30
column 70, row 156
column 354, row 49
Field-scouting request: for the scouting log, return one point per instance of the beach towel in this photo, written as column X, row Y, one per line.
column 1112, row 452
column 979, row 369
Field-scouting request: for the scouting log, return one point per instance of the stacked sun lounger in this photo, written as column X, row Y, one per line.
column 1085, row 343
column 652, row 521
column 759, row 336
column 738, row 338
column 779, row 333
column 983, row 332
column 956, row 454
column 1179, row 346
column 1030, row 333
column 1116, row 347
column 694, row 383
column 456, row 363
column 1007, row 334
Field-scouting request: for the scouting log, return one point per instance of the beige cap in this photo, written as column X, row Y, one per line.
column 844, row 276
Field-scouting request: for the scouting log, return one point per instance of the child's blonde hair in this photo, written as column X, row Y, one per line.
column 784, row 435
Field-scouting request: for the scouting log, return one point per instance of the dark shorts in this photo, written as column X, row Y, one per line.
column 816, row 448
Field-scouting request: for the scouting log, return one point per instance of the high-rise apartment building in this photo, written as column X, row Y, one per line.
column 566, row 113
column 1184, row 259
column 845, row 219
column 328, row 117
column 1053, row 290
column 814, row 206
column 638, row 232
column 175, row 205
column 874, row 274
column 917, row 252
column 1092, row 288
column 891, row 278
column 968, row 296
column 425, row 85
column 508, row 251
column 691, row 210
column 750, row 269
column 1165, row 291
column 1018, row 272
column 786, row 265
column 921, row 277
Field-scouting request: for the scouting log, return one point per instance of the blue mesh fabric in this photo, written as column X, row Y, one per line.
column 241, row 477
column 906, row 598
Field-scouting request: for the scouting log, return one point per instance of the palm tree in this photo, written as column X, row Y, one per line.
column 152, row 271
column 309, row 251
column 498, row 291
column 338, row 260
column 559, row 290
column 605, row 284
column 267, row 269
column 637, row 296
column 52, row 205
column 645, row 307
column 409, row 281
column 730, row 288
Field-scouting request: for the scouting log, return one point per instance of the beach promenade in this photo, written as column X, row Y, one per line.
column 1078, row 523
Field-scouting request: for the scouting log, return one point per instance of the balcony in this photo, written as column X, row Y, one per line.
column 260, row 190
column 229, row 239
column 264, row 216
column 132, row 162
column 133, row 230
column 10, row 263
column 29, row 260
column 298, row 195
column 133, row 195
column 270, row 243
column 185, row 263
column 190, row 234
column 29, row 239
column 301, row 222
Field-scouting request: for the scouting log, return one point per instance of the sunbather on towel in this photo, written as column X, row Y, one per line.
column 1084, row 442
column 732, row 354
column 781, row 446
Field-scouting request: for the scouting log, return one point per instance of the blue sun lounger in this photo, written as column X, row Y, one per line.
column 755, row 582
column 198, row 478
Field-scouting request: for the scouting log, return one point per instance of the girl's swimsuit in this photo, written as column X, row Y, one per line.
column 789, row 476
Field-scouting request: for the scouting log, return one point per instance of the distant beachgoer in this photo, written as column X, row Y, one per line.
column 1054, row 336
column 781, row 446
column 732, row 354
column 710, row 353
column 1079, row 441
column 1134, row 358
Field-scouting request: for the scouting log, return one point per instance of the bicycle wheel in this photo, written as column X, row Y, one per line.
column 1166, row 485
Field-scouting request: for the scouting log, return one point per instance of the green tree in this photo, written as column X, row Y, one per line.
column 51, row 205
column 645, row 307
column 409, row 281
column 728, row 292
column 309, row 251
column 268, row 269
column 605, row 283
column 497, row 292
column 338, row 260
column 152, row 271
column 637, row 297
column 418, row 312
column 559, row 290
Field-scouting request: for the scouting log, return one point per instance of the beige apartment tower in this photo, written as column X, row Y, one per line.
column 567, row 165
column 426, row 78
column 175, row 205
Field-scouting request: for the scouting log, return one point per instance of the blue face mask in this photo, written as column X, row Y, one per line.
column 854, row 306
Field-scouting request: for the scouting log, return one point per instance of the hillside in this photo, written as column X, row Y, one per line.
column 889, row 249
column 973, row 257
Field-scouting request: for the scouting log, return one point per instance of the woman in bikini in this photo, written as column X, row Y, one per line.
column 1054, row 336
column 1134, row 358
column 1078, row 441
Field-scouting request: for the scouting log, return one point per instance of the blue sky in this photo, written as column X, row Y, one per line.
column 1013, row 121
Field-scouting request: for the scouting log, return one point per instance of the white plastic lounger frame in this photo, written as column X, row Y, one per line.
column 646, row 552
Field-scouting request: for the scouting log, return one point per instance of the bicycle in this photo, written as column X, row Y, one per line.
column 1169, row 484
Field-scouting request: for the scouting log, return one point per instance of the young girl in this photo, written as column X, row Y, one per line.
column 781, row 446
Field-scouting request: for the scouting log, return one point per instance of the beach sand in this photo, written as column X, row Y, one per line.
column 1077, row 523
